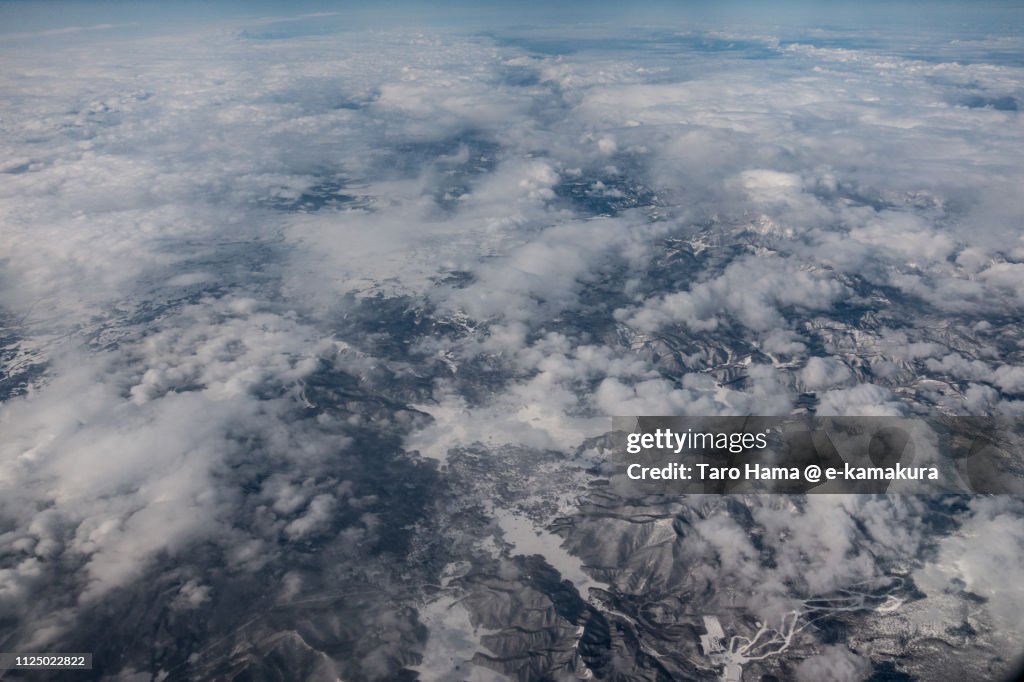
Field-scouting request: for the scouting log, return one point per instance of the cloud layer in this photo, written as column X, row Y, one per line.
column 261, row 282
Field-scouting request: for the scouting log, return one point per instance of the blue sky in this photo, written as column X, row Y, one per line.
column 42, row 15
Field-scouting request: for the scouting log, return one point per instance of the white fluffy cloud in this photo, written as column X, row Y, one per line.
column 752, row 290
column 834, row 664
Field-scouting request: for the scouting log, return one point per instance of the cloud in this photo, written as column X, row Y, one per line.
column 823, row 373
column 250, row 284
column 752, row 290
column 866, row 400
column 834, row 664
column 129, row 456
column 990, row 538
